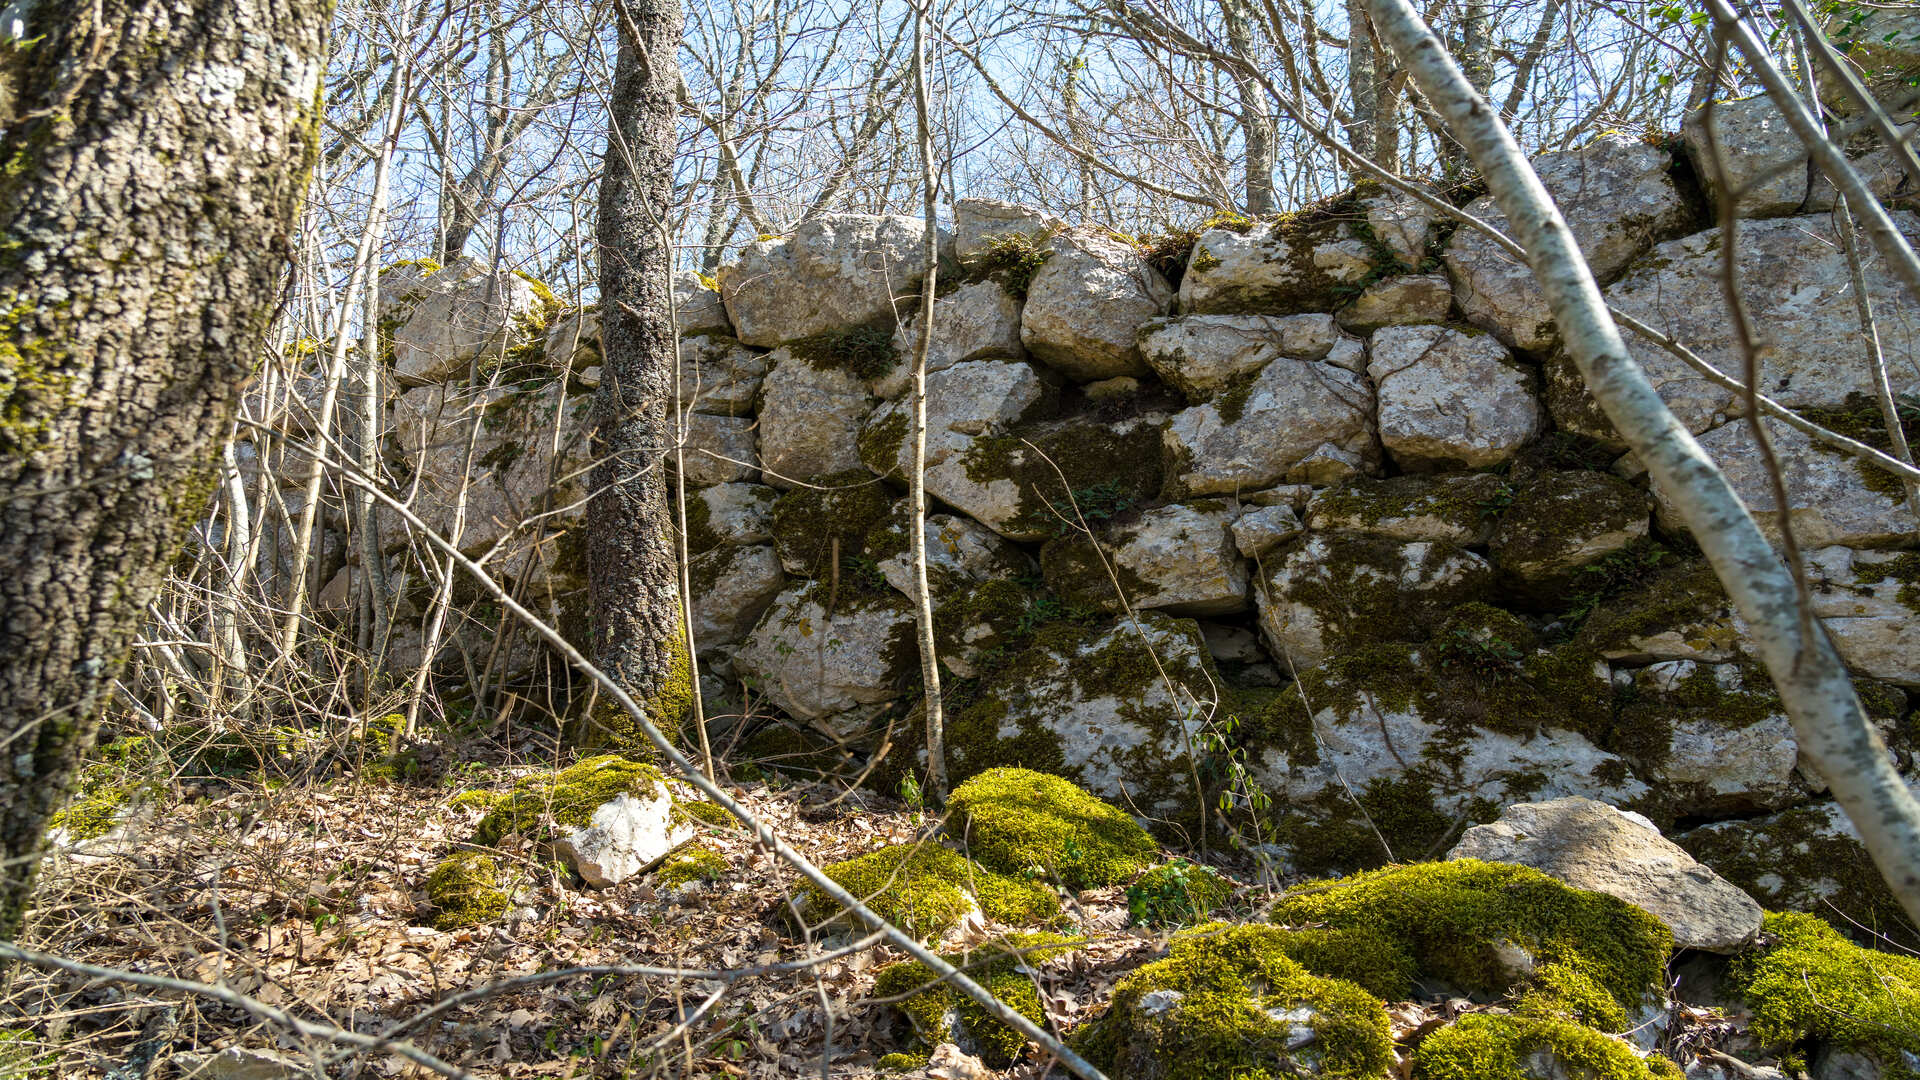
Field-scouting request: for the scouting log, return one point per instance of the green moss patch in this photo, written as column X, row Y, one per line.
column 863, row 351
column 567, row 798
column 1114, row 464
column 1228, row 1004
column 106, row 790
column 925, row 889
column 1808, row 982
column 1017, row 821
column 940, row 1013
column 466, row 889
column 1177, row 893
column 1012, row 259
column 1490, row 1046
column 690, row 864
column 829, row 513
column 1452, row 919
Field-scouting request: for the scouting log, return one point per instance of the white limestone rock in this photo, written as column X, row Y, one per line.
column 1296, row 421
column 832, row 272
column 1760, row 157
column 1178, row 558
column 699, row 308
column 623, row 837
column 969, row 399
column 1087, row 303
column 1458, row 508
column 1334, row 590
column 721, row 449
column 1869, row 602
column 815, row 664
column 977, row 322
column 449, row 327
column 1260, row 529
column 977, row 223
column 1398, row 301
column 1200, row 355
column 732, row 587
column 1449, row 399
column 719, row 375
column 810, row 419
column 730, row 514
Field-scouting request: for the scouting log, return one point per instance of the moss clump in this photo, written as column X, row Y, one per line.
column 567, row 798
column 1490, row 1046
column 107, row 788
column 901, row 1062
column 1861, row 419
column 925, row 890
column 940, row 1013
column 840, row 507
column 865, row 352
column 1177, row 893
column 1808, row 982
column 1414, row 507
column 34, row 383
column 1451, row 919
column 1013, row 259
column 1560, row 992
column 1017, row 821
column 706, row 813
column 466, row 889
column 1228, row 1004
column 1121, row 462
column 1363, row 957
column 1681, row 596
column 690, row 864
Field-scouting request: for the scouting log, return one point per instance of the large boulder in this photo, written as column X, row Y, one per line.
column 729, row 514
column 810, row 419
column 449, row 327
column 1597, row 847
column 1618, row 200
column 721, row 449
column 979, row 322
column 1260, row 529
column 1296, row 421
column 832, row 272
column 979, row 223
column 1086, row 704
column 719, row 375
column 816, row 662
column 1333, row 591
column 1450, row 400
column 1869, row 601
column 1305, row 263
column 1179, row 558
column 1398, row 301
column 1793, row 272
column 1200, row 355
column 1086, row 305
column 573, row 342
column 1714, row 737
column 1762, row 164
column 964, row 400
column 1460, row 508
column 1830, row 503
column 732, row 587
column 1027, row 484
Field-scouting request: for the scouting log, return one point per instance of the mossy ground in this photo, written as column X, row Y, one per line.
column 1490, row 1046
column 567, row 798
column 105, row 789
column 1448, row 917
column 690, row 864
column 1177, row 893
column 924, row 889
column 1236, row 988
column 1021, row 822
column 1808, row 982
column 466, row 889
column 937, row 1009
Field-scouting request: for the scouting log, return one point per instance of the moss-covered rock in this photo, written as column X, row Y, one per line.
column 1559, row 522
column 1017, row 821
column 1330, row 592
column 926, row 890
column 1808, row 983
column 1227, row 1002
column 1469, row 923
column 1460, row 508
column 1026, row 485
column 465, row 887
column 1673, row 609
column 827, row 515
column 940, row 1013
column 109, row 791
column 691, row 864
column 566, row 798
column 1491, row 1046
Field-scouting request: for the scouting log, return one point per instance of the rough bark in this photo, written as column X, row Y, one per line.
column 1833, row 731
column 1256, row 125
column 153, row 175
column 638, row 636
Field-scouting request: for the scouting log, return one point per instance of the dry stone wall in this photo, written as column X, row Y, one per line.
column 1316, row 509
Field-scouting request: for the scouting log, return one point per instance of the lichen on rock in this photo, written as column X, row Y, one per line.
column 940, row 1013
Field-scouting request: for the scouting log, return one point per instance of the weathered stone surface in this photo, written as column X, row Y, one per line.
column 1591, row 845
column 239, row 1063
column 1793, row 273
column 1297, row 421
column 1449, row 399
column 1760, row 157
column 1274, row 267
column 1336, row 590
column 832, row 272
column 449, row 327
column 1084, row 707
column 814, row 663
column 960, row 552
column 969, row 399
column 1458, row 508
column 1830, row 504
column 1882, row 46
column 1561, row 521
column 1260, row 529
column 623, row 837
column 721, row 449
column 1087, row 303
column 732, row 587
column 699, row 308
column 1401, row 222
column 1179, row 558
column 1398, row 301
column 979, row 322
column 406, row 283
column 1869, row 602
column 1026, row 492
column 719, row 375
column 1884, row 171
column 1713, row 736
column 1199, row 355
column 573, row 342
column 1617, row 198
column 730, row 514
column 809, row 419
column 977, row 222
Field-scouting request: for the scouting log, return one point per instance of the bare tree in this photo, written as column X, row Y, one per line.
column 188, row 129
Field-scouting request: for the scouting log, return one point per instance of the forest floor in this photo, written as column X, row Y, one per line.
column 311, row 897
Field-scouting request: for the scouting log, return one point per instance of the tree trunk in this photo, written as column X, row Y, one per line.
column 637, row 632
column 1256, row 125
column 156, row 168
column 1364, row 133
